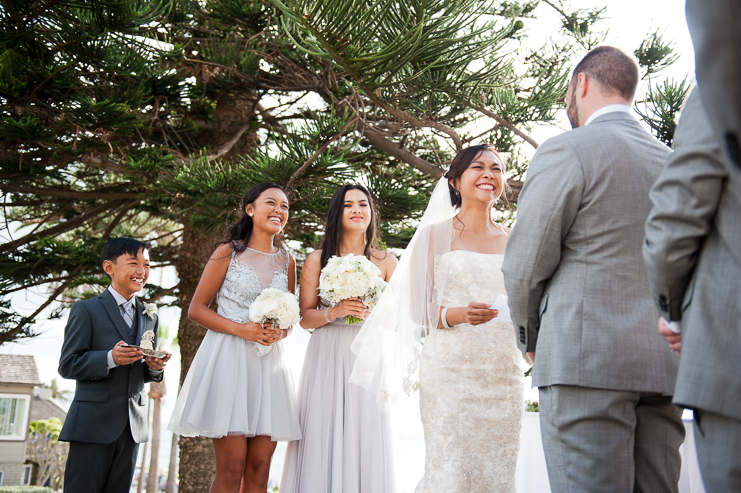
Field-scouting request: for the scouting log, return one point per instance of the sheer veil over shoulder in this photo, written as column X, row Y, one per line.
column 388, row 346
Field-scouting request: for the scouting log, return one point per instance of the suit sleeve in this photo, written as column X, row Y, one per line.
column 685, row 200
column 546, row 209
column 151, row 375
column 78, row 360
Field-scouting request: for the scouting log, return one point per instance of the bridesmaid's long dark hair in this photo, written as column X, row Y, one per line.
column 239, row 233
column 333, row 224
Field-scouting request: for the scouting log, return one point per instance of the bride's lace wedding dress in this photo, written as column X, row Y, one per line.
column 471, row 386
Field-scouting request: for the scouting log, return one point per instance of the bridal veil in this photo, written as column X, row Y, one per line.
column 390, row 342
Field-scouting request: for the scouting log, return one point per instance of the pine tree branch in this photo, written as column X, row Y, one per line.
column 116, row 220
column 59, row 228
column 14, row 13
column 559, row 10
column 71, row 194
column 229, row 144
column 324, row 147
column 502, row 121
column 10, row 334
column 33, row 284
column 399, row 152
column 404, row 116
column 270, row 119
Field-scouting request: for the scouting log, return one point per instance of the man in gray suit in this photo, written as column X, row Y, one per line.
column 108, row 416
column 693, row 255
column 716, row 36
column 579, row 293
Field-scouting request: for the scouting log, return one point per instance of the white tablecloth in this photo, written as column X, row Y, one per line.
column 532, row 475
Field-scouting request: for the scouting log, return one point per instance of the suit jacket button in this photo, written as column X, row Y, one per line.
column 662, row 302
column 522, row 339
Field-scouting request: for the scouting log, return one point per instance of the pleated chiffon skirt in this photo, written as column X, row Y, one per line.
column 347, row 444
column 231, row 391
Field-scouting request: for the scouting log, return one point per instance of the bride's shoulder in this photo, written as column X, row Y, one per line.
column 436, row 228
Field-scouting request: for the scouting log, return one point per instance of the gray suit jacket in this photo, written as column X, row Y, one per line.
column 693, row 255
column 714, row 25
column 104, row 400
column 578, row 289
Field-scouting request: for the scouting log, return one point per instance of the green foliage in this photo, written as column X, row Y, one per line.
column 654, row 54
column 663, row 103
column 531, row 406
column 51, row 427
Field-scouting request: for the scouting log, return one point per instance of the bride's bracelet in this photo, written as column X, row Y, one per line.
column 326, row 316
column 444, row 317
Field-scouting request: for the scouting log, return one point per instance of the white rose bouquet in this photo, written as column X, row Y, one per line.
column 351, row 276
column 274, row 305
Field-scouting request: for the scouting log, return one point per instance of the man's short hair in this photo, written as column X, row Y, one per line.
column 616, row 71
column 116, row 247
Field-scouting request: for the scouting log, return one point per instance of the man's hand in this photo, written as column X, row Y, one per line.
column 157, row 363
column 124, row 355
column 674, row 339
column 531, row 355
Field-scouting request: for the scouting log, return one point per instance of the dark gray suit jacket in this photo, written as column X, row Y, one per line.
column 578, row 288
column 104, row 400
column 693, row 255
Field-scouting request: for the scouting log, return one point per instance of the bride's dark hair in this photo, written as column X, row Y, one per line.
column 460, row 164
column 239, row 233
column 333, row 224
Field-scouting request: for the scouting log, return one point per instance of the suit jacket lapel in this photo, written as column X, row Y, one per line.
column 114, row 312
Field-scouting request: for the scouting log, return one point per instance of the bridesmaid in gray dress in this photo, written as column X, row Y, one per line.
column 347, row 442
column 235, row 392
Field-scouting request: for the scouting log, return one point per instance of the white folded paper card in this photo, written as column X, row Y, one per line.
column 501, row 304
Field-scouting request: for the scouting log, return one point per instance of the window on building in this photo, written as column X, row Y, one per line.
column 14, row 416
column 1, row 478
column 26, row 476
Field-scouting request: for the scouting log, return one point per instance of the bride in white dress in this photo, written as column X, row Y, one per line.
column 470, row 370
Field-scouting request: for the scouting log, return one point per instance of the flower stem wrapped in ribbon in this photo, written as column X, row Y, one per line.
column 276, row 306
column 351, row 276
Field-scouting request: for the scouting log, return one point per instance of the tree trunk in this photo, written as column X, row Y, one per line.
column 172, row 471
column 197, row 464
column 156, row 391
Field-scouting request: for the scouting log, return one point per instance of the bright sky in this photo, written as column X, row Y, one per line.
column 628, row 23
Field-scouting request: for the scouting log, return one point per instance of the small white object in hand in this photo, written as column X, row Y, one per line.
column 150, row 310
column 276, row 306
column 501, row 304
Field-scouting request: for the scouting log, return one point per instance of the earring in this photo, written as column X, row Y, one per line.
column 249, row 214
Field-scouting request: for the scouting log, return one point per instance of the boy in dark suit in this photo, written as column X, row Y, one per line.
column 108, row 416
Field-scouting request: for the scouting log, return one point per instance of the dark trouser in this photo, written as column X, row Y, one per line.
column 610, row 441
column 101, row 468
column 718, row 444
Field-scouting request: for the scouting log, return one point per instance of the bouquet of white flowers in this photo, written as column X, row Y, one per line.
column 351, row 276
column 274, row 305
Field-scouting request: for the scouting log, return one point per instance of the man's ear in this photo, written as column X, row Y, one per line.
column 582, row 85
